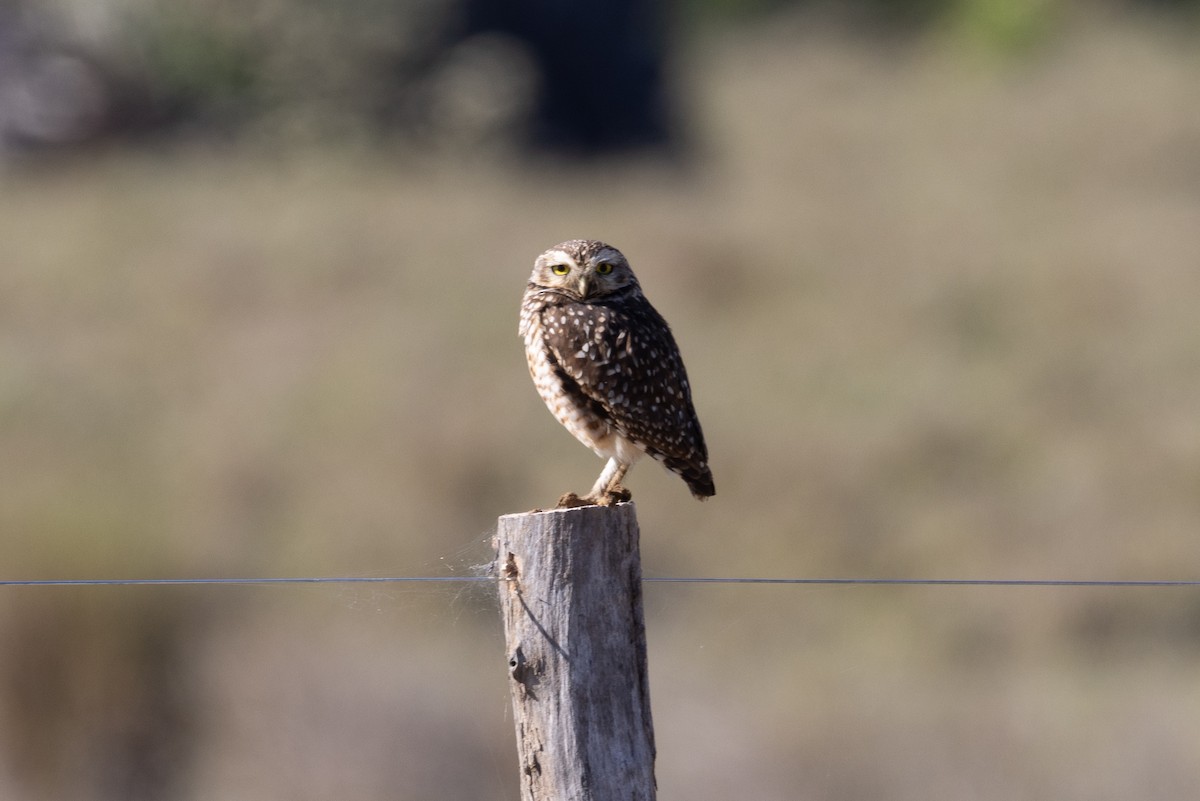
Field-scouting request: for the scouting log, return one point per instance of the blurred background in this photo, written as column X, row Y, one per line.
column 933, row 266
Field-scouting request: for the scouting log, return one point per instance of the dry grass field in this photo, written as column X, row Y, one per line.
column 940, row 314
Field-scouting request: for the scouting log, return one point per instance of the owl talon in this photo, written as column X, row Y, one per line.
column 616, row 494
column 571, row 501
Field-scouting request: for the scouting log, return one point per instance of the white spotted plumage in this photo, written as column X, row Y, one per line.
column 605, row 363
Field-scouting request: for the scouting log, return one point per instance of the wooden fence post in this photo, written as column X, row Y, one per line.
column 570, row 585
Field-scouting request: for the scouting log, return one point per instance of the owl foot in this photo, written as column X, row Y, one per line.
column 571, row 500
column 610, row 497
column 614, row 495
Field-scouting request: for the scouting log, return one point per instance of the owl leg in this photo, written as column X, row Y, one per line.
column 608, row 489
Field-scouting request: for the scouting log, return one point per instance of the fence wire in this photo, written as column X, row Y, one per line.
column 921, row 582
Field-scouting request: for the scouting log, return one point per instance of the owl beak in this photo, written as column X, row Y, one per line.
column 585, row 286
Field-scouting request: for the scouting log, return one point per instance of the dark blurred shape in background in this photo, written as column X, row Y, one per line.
column 600, row 66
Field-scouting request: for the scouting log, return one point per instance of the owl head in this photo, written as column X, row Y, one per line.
column 582, row 269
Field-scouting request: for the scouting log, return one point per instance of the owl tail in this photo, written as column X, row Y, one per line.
column 702, row 488
column 698, row 478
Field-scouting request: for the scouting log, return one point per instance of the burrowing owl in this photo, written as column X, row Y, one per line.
column 605, row 363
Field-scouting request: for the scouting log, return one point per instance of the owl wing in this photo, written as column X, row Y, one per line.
column 625, row 362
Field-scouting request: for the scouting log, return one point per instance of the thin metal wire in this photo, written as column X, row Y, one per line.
column 944, row 582
column 926, row 582
column 190, row 581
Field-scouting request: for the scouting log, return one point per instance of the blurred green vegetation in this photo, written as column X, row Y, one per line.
column 223, row 62
column 319, row 70
column 939, row 314
column 307, row 68
column 195, row 60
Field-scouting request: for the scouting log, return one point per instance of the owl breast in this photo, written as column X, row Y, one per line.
column 551, row 332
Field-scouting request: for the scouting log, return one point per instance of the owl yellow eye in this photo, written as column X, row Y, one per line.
column 604, row 268
column 560, row 269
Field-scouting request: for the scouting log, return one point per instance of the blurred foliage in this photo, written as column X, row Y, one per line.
column 1004, row 26
column 331, row 67
column 901, row 12
column 334, row 67
column 198, row 64
column 319, row 70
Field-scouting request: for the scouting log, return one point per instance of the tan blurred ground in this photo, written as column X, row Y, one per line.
column 939, row 314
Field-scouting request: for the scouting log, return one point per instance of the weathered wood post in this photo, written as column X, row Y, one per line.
column 571, row 596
